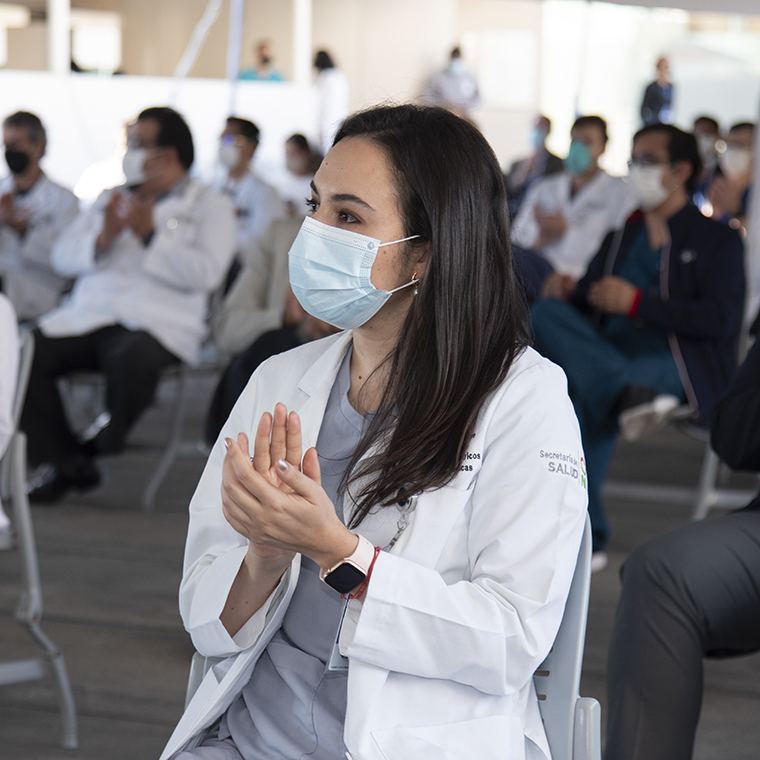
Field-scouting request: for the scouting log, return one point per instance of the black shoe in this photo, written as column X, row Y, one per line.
column 55, row 483
column 631, row 396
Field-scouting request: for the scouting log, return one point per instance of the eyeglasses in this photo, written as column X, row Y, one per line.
column 646, row 161
column 228, row 139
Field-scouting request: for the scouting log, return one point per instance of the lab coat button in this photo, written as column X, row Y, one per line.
column 172, row 224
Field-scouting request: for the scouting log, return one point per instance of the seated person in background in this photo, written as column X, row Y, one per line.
column 298, row 327
column 565, row 216
column 257, row 204
column 147, row 256
column 707, row 132
column 33, row 212
column 689, row 594
column 256, row 301
column 301, row 164
column 656, row 317
column 523, row 173
column 8, row 375
column 729, row 191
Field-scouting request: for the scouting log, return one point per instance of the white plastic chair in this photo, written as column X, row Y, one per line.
column 572, row 723
column 706, row 496
column 29, row 608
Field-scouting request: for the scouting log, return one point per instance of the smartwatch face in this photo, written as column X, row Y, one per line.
column 345, row 578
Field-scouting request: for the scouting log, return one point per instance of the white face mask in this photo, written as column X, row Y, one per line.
column 330, row 274
column 646, row 182
column 707, row 152
column 229, row 155
column 736, row 162
column 133, row 165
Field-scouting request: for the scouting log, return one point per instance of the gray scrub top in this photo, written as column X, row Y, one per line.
column 293, row 706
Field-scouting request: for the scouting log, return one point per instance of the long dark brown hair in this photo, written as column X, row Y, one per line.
column 466, row 325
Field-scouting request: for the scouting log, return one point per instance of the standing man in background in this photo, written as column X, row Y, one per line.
column 332, row 99
column 656, row 108
column 33, row 212
column 263, row 71
column 454, row 88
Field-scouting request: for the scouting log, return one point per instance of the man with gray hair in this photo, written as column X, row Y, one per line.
column 33, row 212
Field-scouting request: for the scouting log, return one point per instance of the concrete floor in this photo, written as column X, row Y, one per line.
column 111, row 573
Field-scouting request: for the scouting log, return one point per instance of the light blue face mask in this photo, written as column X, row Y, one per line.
column 330, row 274
column 578, row 158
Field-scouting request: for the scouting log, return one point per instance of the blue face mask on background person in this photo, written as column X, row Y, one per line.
column 537, row 138
column 330, row 274
column 578, row 158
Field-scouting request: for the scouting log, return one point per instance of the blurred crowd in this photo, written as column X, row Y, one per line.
column 635, row 285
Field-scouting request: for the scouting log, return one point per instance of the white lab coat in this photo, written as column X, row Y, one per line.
column 462, row 610
column 257, row 205
column 162, row 288
column 600, row 206
column 29, row 280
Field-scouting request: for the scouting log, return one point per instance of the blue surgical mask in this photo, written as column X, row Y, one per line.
column 537, row 138
column 578, row 158
column 330, row 274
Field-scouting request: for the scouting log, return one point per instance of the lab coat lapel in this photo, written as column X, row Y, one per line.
column 316, row 383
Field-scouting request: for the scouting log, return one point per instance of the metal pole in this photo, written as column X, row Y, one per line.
column 234, row 43
column 59, row 36
column 302, row 10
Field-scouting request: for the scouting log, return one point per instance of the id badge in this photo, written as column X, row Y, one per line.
column 337, row 661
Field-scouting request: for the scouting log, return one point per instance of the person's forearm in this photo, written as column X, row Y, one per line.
column 256, row 580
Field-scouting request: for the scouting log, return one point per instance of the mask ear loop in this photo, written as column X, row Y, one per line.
column 413, row 281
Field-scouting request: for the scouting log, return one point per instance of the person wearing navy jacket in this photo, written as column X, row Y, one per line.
column 655, row 320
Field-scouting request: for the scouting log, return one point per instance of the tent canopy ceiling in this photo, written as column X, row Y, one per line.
column 748, row 7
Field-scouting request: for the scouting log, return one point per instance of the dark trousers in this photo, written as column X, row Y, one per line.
column 130, row 360
column 686, row 595
column 239, row 372
column 597, row 372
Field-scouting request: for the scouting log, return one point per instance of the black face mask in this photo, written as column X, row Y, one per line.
column 17, row 160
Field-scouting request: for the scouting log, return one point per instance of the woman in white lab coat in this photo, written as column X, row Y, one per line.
column 445, row 497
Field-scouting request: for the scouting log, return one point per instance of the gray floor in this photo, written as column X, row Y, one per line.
column 110, row 576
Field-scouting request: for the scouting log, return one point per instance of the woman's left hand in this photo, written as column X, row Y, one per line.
column 274, row 504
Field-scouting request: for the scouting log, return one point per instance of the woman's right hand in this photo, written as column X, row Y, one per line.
column 278, row 437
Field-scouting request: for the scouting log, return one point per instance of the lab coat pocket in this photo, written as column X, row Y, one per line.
column 498, row 737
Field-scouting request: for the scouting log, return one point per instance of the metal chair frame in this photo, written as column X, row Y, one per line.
column 29, row 609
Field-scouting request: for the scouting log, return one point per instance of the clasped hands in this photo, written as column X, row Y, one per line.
column 277, row 502
column 133, row 211
column 11, row 216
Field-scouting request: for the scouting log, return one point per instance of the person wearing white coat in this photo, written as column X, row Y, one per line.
column 565, row 216
column 468, row 483
column 34, row 211
column 332, row 98
column 146, row 257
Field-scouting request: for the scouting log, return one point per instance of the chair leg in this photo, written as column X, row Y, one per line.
column 29, row 609
column 173, row 444
column 706, row 494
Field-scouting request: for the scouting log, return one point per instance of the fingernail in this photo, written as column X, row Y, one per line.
column 282, row 465
column 227, row 442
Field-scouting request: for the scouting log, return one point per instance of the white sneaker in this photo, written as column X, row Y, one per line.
column 598, row 561
column 642, row 420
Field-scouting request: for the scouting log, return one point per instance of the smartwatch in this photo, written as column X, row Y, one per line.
column 351, row 571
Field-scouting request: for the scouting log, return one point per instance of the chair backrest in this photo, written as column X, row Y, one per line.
column 558, row 679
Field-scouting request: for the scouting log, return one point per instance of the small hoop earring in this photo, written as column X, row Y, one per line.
column 414, row 277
